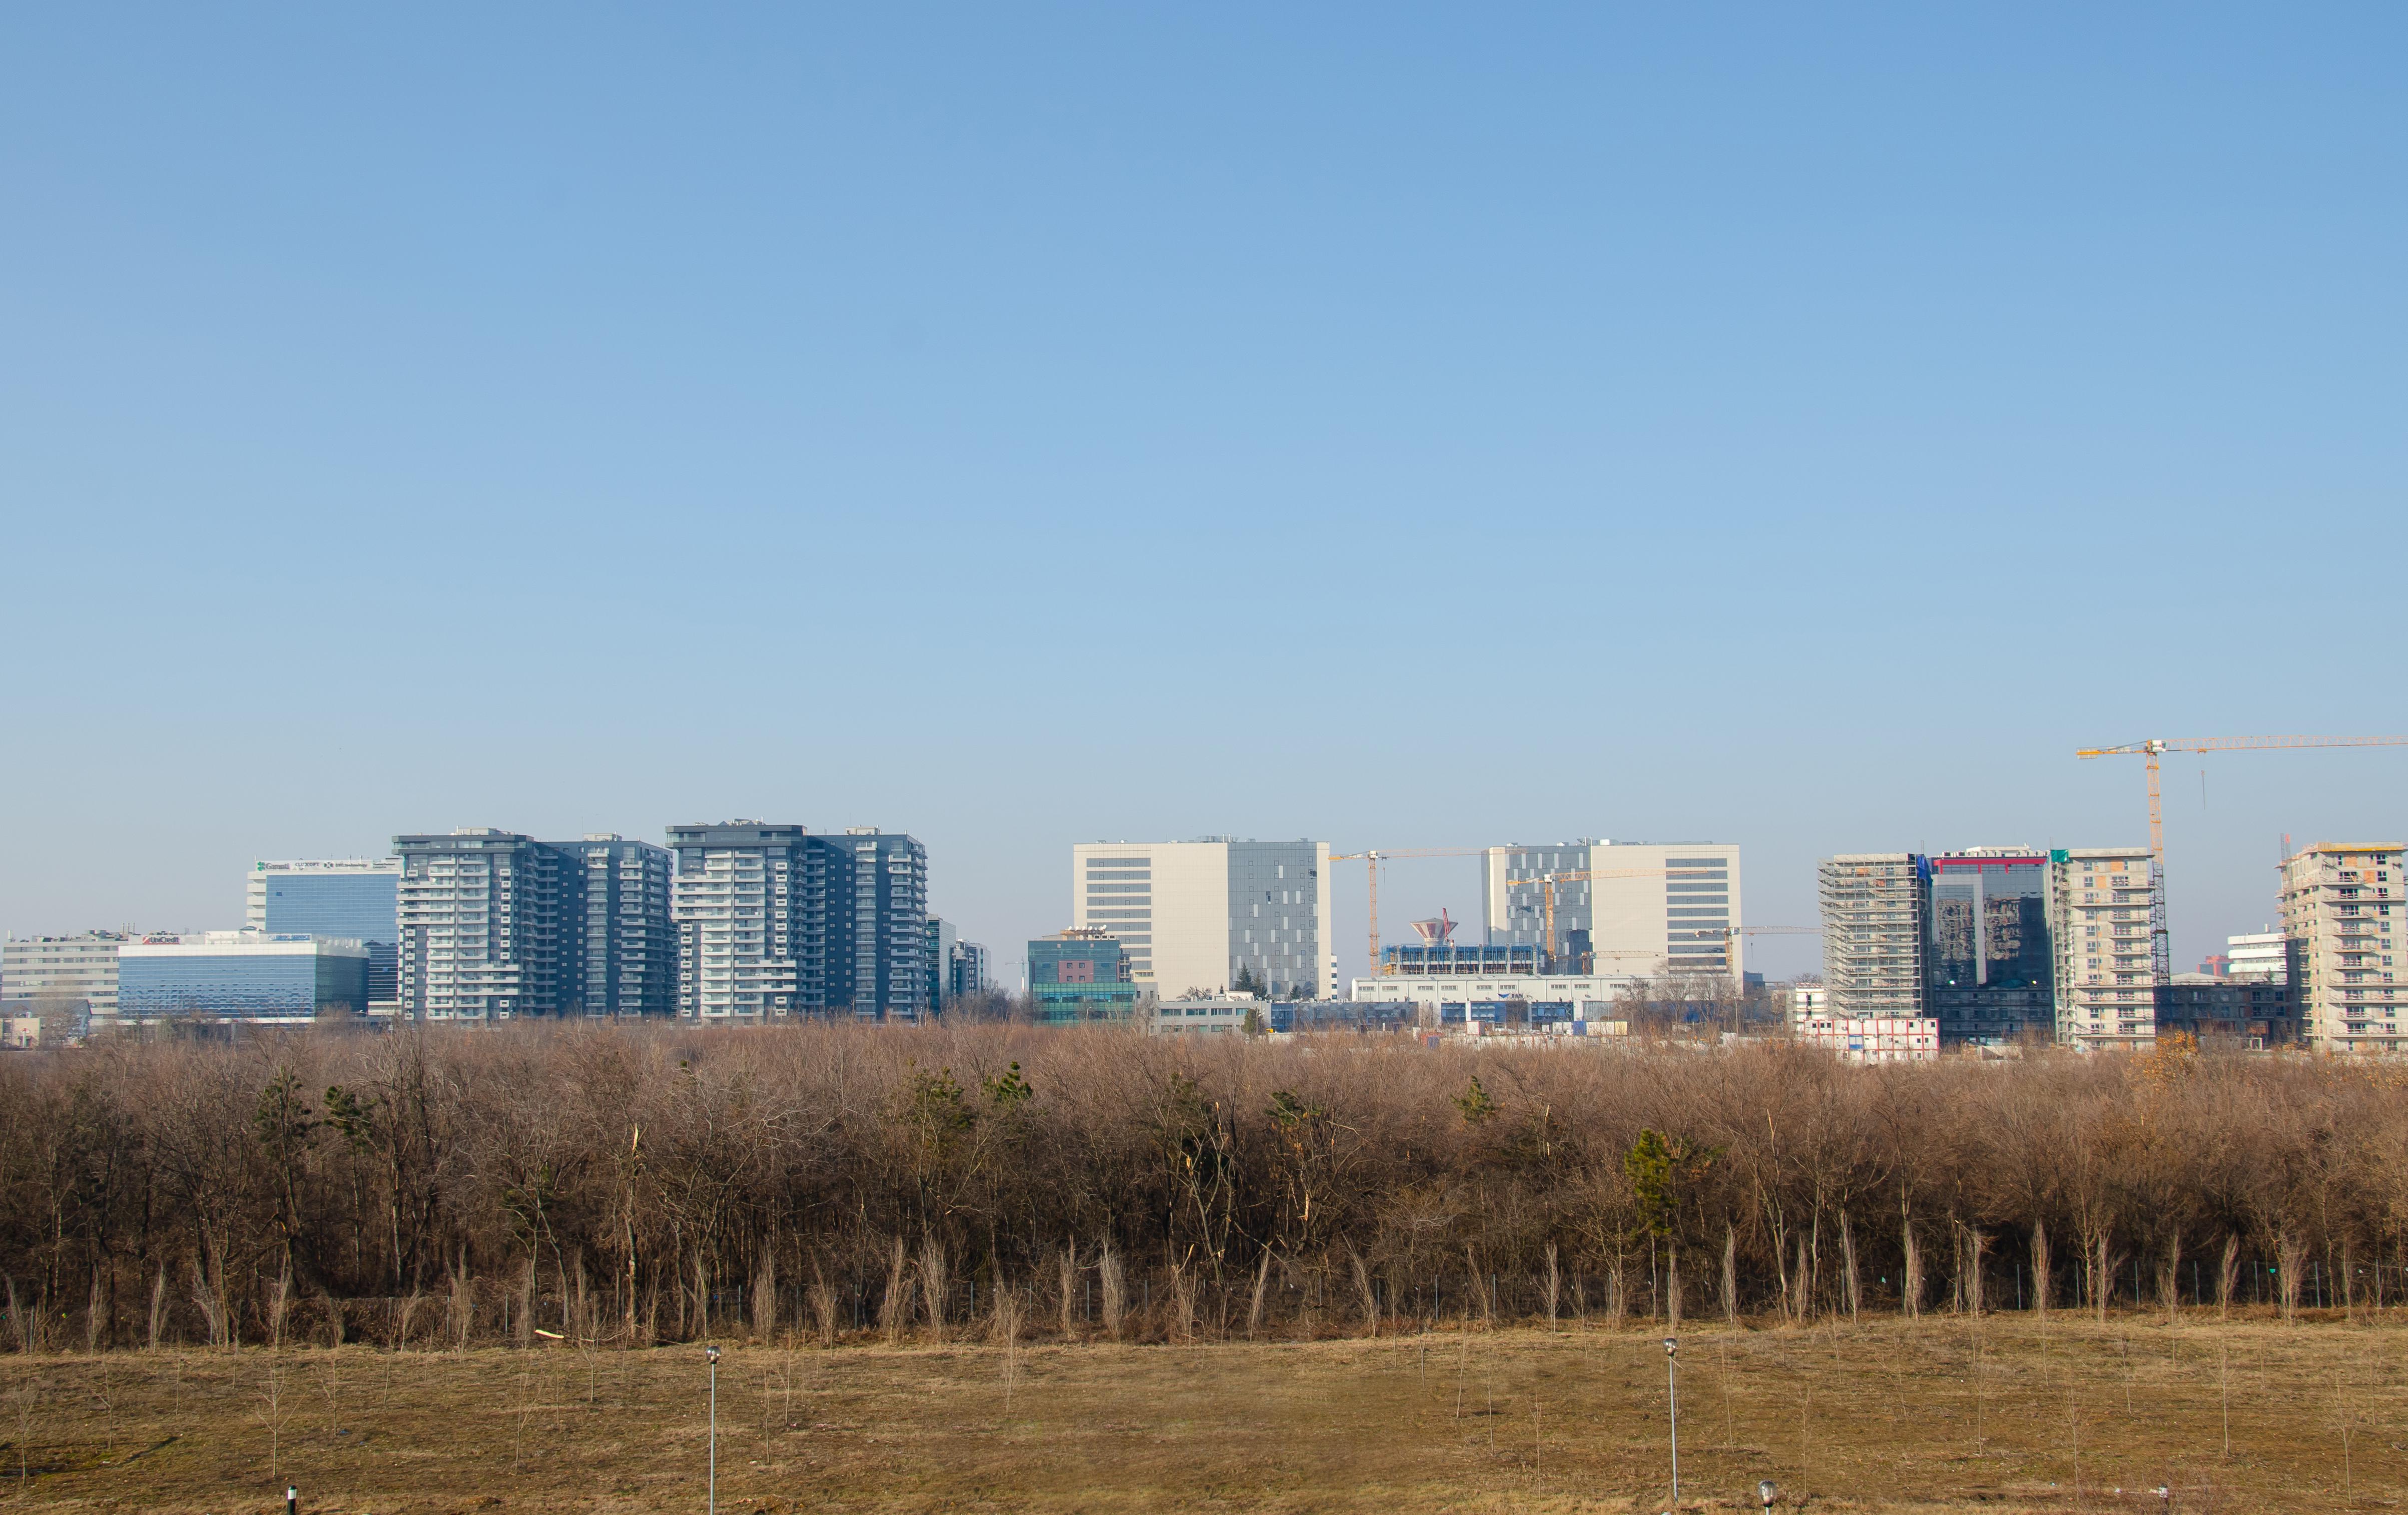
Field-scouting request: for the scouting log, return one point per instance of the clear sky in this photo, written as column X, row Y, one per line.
column 1408, row 426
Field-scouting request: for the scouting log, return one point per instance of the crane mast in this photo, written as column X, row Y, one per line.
column 2155, row 748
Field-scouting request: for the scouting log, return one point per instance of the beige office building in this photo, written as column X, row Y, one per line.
column 2343, row 904
column 1196, row 916
column 1644, row 908
column 80, row 967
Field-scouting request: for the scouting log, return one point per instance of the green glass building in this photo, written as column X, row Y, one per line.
column 1081, row 976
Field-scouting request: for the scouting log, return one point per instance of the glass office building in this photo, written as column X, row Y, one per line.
column 1082, row 975
column 241, row 976
column 354, row 899
column 1992, row 968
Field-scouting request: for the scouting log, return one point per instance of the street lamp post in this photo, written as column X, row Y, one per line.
column 1672, row 1398
column 711, row 1496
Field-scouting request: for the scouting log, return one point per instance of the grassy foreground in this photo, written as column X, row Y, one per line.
column 1940, row 1415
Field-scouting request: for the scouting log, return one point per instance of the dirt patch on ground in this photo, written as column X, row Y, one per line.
column 1938, row 1415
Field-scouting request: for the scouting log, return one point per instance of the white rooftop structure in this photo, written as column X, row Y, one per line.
column 2257, row 955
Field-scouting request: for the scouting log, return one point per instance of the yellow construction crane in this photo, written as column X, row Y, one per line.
column 1548, row 881
column 1729, row 931
column 2161, row 946
column 1372, row 861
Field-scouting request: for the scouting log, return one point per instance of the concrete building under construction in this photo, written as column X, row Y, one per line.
column 2343, row 902
column 1996, row 944
column 1874, row 934
column 2101, row 902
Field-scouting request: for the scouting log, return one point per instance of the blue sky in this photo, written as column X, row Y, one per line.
column 1408, row 426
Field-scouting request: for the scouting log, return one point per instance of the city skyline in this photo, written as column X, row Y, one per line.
column 1409, row 891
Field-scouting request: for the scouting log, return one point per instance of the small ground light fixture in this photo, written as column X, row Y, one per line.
column 1765, row 1493
column 293, row 1499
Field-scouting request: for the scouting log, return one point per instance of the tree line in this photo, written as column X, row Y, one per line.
column 627, row 1185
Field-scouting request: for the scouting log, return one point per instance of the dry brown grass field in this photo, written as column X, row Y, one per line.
column 1946, row 1413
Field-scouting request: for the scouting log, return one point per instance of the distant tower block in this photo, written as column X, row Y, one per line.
column 1434, row 932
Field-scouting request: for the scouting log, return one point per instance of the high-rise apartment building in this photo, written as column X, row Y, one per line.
column 774, row 920
column 353, row 899
column 2343, row 906
column 1620, row 908
column 1201, row 915
column 625, row 956
column 968, row 970
column 2101, row 904
column 496, row 924
column 1874, row 911
column 878, row 927
column 743, row 897
column 487, row 926
column 80, row 967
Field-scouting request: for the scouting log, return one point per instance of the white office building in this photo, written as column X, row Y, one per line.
column 1552, row 996
column 2257, row 956
column 1199, row 915
column 80, row 967
column 1642, row 909
column 1210, row 1015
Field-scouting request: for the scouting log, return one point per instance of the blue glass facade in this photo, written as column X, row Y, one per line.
column 288, row 979
column 1080, row 977
column 358, row 907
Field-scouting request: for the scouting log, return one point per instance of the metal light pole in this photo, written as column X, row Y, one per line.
column 711, row 1353
column 1672, row 1397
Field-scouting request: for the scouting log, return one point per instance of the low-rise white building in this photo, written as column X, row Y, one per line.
column 1873, row 1038
column 1212, row 1014
column 1545, row 997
